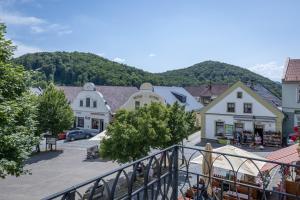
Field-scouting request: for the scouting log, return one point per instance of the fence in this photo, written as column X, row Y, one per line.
column 173, row 174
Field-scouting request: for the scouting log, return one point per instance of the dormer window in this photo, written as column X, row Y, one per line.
column 95, row 104
column 88, row 102
column 239, row 95
column 81, row 103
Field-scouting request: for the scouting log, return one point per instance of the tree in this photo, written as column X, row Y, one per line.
column 17, row 113
column 180, row 123
column 54, row 112
column 134, row 133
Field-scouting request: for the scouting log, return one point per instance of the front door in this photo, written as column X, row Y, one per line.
column 259, row 129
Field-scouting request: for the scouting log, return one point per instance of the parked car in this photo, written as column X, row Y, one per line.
column 62, row 135
column 77, row 134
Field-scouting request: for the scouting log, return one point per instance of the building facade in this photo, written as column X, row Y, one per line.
column 291, row 95
column 95, row 106
column 165, row 95
column 91, row 109
column 242, row 109
column 144, row 96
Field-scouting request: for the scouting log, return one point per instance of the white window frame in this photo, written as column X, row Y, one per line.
column 298, row 94
column 297, row 122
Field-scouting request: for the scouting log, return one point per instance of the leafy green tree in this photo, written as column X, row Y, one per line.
column 134, row 133
column 180, row 123
column 54, row 112
column 17, row 113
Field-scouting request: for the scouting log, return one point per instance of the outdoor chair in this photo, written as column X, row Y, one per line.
column 292, row 188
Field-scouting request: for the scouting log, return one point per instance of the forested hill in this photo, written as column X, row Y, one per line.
column 76, row 68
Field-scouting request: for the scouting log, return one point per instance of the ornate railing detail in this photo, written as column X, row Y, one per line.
column 170, row 174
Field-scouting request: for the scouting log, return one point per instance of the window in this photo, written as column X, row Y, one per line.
column 239, row 95
column 298, row 94
column 230, row 107
column 81, row 103
column 297, row 120
column 206, row 100
column 88, row 102
column 247, row 108
column 80, row 122
column 95, row 104
column 220, row 129
column 137, row 104
column 238, row 127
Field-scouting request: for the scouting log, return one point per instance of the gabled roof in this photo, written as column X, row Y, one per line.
column 255, row 94
column 207, row 90
column 115, row 96
column 179, row 94
column 265, row 94
column 291, row 71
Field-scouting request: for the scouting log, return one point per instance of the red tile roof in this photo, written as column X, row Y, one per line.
column 292, row 70
column 286, row 155
column 206, row 90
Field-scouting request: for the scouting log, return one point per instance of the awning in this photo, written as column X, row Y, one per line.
column 238, row 164
column 286, row 155
column 254, row 118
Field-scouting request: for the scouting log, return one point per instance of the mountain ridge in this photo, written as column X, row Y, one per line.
column 76, row 68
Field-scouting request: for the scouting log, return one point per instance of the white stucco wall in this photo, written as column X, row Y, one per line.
column 257, row 108
column 145, row 97
column 219, row 113
column 289, row 97
column 102, row 111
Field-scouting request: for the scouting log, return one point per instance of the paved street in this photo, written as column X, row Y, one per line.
column 55, row 171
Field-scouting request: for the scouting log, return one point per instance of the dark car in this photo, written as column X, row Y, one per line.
column 77, row 134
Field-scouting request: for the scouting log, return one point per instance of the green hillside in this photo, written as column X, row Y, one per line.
column 76, row 68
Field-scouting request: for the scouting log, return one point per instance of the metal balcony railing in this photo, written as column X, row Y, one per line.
column 171, row 174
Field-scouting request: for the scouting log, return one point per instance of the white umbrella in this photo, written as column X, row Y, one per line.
column 237, row 164
column 99, row 136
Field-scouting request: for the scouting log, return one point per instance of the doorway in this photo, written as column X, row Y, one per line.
column 259, row 129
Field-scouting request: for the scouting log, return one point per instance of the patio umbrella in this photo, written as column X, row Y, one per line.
column 238, row 164
column 99, row 136
column 207, row 168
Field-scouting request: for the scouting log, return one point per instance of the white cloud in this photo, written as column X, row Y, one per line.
column 152, row 55
column 16, row 19
column 100, row 54
column 119, row 60
column 271, row 70
column 37, row 29
column 23, row 49
column 35, row 24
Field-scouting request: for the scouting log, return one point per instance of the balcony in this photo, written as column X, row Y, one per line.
column 173, row 174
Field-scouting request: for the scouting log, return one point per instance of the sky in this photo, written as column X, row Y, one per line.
column 158, row 35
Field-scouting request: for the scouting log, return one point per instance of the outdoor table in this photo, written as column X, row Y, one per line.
column 236, row 194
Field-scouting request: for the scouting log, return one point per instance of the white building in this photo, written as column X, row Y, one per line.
column 165, row 95
column 291, row 95
column 242, row 108
column 162, row 94
column 90, row 109
column 144, row 96
column 94, row 106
